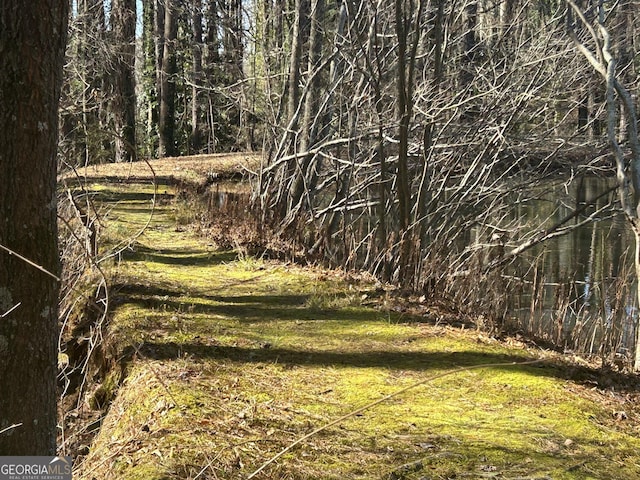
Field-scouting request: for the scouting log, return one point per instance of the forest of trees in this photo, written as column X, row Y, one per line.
column 154, row 78
column 393, row 79
column 397, row 134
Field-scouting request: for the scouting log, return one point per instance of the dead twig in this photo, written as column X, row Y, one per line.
column 9, row 311
column 10, row 427
column 382, row 400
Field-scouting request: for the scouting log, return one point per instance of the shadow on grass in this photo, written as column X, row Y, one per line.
column 556, row 457
column 266, row 309
column 386, row 359
column 389, row 359
column 187, row 258
column 291, row 307
column 243, row 308
column 113, row 196
column 161, row 180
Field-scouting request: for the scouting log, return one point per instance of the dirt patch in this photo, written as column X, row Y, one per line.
column 195, row 169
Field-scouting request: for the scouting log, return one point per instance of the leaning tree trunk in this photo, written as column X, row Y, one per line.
column 32, row 44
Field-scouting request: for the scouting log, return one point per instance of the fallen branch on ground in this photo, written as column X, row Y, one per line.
column 382, row 400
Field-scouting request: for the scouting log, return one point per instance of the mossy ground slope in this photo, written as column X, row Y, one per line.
column 231, row 359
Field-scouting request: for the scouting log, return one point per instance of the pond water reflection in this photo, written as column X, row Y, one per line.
column 579, row 288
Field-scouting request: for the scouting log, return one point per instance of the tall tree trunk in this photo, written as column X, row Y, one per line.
column 149, row 78
column 373, row 51
column 470, row 42
column 404, row 99
column 293, row 87
column 213, row 40
column 167, row 82
column 404, row 114
column 94, row 109
column 212, row 60
column 311, row 102
column 32, row 46
column 158, row 21
column 424, row 195
column 234, row 52
column 196, row 20
column 298, row 38
column 123, row 13
column 408, row 34
column 233, row 48
column 505, row 15
column 625, row 55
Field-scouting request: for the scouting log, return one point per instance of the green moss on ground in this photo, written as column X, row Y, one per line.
column 232, row 359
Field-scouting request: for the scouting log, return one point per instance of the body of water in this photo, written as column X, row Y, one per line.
column 576, row 290
column 579, row 289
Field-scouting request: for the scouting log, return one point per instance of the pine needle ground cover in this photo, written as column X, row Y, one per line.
column 221, row 361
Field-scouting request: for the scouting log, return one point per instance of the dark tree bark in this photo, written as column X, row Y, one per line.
column 158, row 20
column 196, row 129
column 167, row 82
column 299, row 37
column 295, row 62
column 32, row 45
column 596, row 99
column 404, row 89
column 311, row 103
column 213, row 41
column 211, row 61
column 94, row 109
column 124, row 87
column 273, row 19
column 149, row 79
column 470, row 43
column 428, row 135
column 233, row 48
column 408, row 30
column 583, row 114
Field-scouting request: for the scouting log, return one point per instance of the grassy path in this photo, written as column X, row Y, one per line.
column 232, row 359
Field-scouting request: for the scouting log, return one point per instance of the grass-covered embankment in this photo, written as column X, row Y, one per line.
column 231, row 359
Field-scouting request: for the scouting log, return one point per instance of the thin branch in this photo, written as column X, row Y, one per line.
column 10, row 427
column 599, row 50
column 555, row 230
column 30, row 262
column 9, row 311
column 384, row 399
